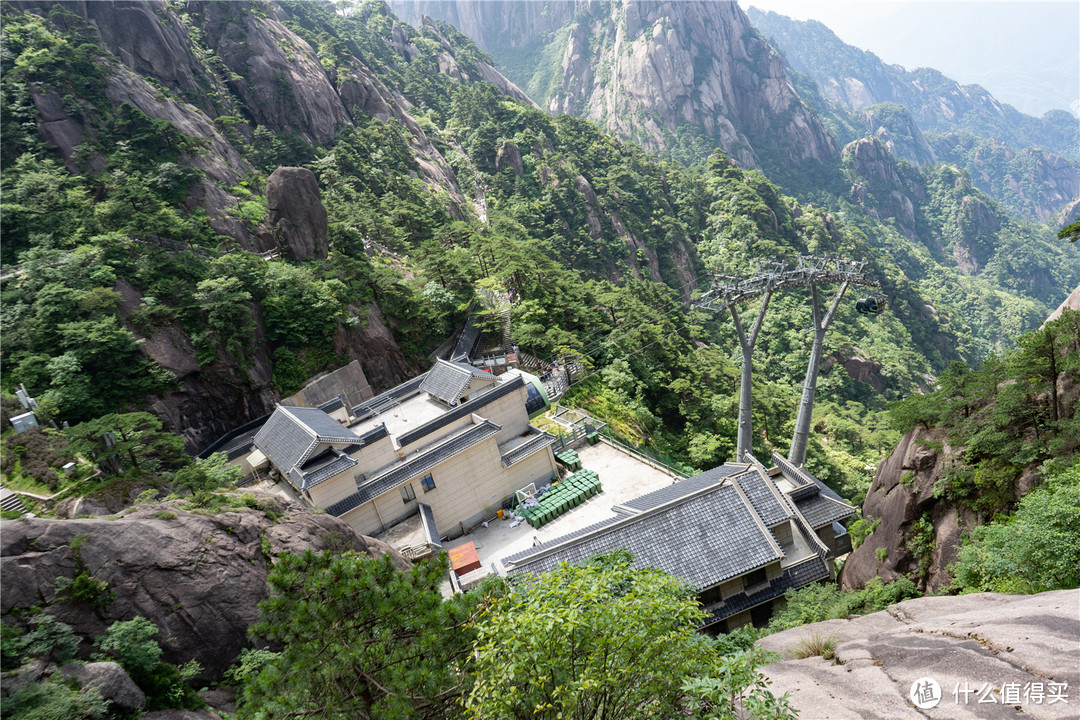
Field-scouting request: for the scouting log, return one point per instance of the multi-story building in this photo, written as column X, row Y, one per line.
column 740, row 534
column 456, row 439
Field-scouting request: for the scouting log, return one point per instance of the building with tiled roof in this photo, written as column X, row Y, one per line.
column 741, row 535
column 457, row 439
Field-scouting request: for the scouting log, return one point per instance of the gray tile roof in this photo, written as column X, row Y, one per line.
column 389, row 398
column 817, row 502
column 418, row 464
column 448, row 381
column 467, row 341
column 820, row 510
column 794, row 576
column 704, row 539
column 374, row 434
column 292, row 434
column 463, row 410
column 324, row 473
column 331, row 405
column 680, row 489
column 763, row 495
column 431, row 530
column 533, row 445
column 801, row 476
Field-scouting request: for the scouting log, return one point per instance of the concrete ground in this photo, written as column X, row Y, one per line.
column 622, row 477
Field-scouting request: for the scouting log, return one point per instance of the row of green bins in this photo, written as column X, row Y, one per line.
column 570, row 459
column 564, row 496
column 593, row 438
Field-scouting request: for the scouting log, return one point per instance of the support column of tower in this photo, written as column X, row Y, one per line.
column 797, row 454
column 746, row 437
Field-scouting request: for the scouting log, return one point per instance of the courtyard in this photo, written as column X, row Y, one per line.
column 623, row 476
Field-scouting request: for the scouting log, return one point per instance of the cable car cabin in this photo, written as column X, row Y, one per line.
column 871, row 305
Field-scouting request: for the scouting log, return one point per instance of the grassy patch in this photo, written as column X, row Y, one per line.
column 815, row 645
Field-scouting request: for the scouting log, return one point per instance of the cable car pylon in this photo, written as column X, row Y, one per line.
column 727, row 292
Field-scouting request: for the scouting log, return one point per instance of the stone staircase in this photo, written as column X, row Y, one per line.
column 11, row 501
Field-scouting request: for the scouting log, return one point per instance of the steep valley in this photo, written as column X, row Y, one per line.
column 206, row 204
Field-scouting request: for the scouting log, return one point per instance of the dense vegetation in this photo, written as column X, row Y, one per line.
column 361, row 639
column 602, row 247
column 598, row 241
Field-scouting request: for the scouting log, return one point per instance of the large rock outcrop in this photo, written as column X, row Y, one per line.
column 901, row 495
column 879, row 188
column 112, row 683
column 666, row 75
column 1008, row 642
column 297, row 216
column 198, row 576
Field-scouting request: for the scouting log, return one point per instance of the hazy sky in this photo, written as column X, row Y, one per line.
column 1024, row 53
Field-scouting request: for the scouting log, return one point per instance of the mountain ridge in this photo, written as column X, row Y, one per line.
column 1030, row 164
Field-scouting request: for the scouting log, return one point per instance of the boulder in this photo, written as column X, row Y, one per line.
column 80, row 506
column 509, row 156
column 182, row 715
column 972, row 640
column 111, row 682
column 902, row 493
column 221, row 699
column 198, row 576
column 297, row 216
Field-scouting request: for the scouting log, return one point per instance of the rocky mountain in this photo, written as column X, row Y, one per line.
column 678, row 78
column 961, row 642
column 1029, row 164
column 197, row 575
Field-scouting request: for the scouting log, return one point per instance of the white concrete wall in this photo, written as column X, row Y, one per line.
column 364, row 520
column 376, row 455
column 509, row 413
column 336, row 488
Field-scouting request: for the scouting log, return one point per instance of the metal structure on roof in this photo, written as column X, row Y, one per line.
column 727, row 292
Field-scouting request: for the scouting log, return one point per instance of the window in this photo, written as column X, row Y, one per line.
column 407, row 493
column 427, row 483
column 755, row 578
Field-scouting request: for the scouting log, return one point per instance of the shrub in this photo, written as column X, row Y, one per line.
column 815, row 603
column 39, row 453
column 83, row 587
column 1036, row 549
column 132, row 644
column 50, row 639
column 11, row 647
column 54, row 699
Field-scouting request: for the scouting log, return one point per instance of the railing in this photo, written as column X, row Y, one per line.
column 625, row 447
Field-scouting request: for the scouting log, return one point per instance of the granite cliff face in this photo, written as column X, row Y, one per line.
column 679, row 77
column 199, row 577
column 220, row 62
column 901, row 495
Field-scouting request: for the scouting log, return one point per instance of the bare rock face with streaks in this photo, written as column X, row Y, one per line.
column 198, row 577
column 658, row 73
column 297, row 216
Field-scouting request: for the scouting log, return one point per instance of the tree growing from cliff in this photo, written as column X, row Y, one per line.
column 128, row 441
column 360, row 639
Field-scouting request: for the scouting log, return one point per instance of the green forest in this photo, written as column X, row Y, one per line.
column 120, row 249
